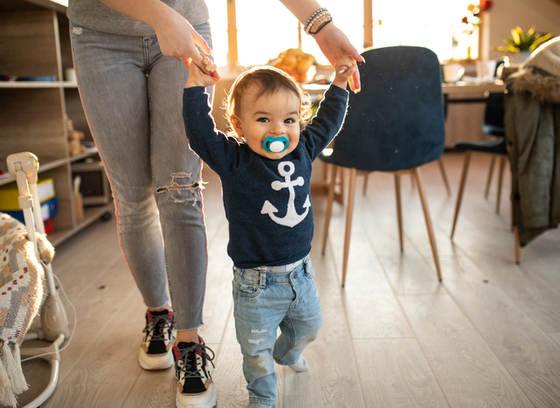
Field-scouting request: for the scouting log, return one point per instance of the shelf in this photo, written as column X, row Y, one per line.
column 5, row 179
column 90, row 151
column 35, row 34
column 33, row 5
column 91, row 214
column 36, row 84
column 29, row 84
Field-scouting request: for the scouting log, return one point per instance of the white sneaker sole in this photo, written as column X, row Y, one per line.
column 193, row 403
column 160, row 362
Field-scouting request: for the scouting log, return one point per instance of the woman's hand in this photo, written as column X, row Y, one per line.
column 334, row 44
column 178, row 39
column 176, row 36
column 206, row 76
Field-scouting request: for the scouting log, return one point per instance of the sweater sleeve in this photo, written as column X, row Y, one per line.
column 215, row 148
column 327, row 122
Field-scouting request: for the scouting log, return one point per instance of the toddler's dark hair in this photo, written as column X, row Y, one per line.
column 268, row 80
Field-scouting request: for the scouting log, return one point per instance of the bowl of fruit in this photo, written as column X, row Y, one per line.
column 296, row 63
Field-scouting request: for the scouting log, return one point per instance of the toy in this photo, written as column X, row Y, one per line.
column 74, row 137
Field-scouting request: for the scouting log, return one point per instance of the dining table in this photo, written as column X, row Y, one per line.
column 471, row 90
column 468, row 90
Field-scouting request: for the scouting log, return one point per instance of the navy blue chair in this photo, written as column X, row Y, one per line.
column 395, row 124
column 493, row 125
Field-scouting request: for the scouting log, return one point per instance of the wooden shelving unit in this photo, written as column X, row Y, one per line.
column 35, row 42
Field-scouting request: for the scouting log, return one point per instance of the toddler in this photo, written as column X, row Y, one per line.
column 265, row 170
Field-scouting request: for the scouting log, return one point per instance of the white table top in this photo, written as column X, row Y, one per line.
column 471, row 88
column 474, row 88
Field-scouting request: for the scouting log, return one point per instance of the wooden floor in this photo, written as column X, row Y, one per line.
column 487, row 336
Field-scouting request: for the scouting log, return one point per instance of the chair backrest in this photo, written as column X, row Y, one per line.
column 396, row 122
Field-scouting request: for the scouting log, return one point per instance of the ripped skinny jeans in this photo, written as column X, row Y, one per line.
column 132, row 97
column 266, row 299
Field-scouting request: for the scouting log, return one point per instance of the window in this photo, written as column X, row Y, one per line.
column 435, row 25
column 266, row 28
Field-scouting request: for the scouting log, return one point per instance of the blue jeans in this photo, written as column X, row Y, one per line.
column 265, row 299
column 132, row 97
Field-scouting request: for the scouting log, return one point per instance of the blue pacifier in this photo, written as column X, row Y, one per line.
column 276, row 144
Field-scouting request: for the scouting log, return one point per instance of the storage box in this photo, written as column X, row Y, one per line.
column 49, row 209
column 9, row 194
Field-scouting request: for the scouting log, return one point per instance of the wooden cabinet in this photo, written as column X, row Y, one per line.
column 35, row 44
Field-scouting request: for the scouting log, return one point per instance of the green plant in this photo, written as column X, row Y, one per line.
column 521, row 41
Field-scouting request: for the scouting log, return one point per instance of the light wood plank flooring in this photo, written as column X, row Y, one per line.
column 487, row 336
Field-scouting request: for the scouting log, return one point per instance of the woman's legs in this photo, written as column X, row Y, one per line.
column 112, row 79
column 132, row 96
column 177, row 188
column 133, row 99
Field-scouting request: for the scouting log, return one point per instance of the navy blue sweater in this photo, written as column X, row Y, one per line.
column 267, row 202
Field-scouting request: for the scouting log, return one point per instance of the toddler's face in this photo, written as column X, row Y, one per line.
column 273, row 115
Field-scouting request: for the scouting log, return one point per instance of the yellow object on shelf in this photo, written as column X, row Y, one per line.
column 9, row 194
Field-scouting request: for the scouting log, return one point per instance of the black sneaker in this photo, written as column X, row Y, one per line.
column 156, row 349
column 195, row 388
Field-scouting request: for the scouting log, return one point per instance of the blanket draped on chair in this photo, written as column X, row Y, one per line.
column 21, row 293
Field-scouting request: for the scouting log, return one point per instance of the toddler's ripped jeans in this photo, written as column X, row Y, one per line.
column 265, row 299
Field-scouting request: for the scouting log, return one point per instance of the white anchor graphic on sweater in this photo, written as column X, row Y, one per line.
column 292, row 218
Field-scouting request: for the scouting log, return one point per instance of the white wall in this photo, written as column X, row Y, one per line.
column 464, row 120
column 543, row 15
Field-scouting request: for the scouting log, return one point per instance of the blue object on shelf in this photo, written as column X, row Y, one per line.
column 45, row 78
column 49, row 209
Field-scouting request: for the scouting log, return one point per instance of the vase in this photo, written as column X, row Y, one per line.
column 518, row 58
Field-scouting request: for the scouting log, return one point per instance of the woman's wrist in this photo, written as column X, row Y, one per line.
column 317, row 21
column 325, row 33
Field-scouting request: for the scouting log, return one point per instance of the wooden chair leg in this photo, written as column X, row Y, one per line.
column 464, row 172
column 349, row 214
column 444, row 176
column 364, row 188
column 428, row 219
column 399, row 208
column 500, row 179
column 333, row 170
column 339, row 186
column 490, row 173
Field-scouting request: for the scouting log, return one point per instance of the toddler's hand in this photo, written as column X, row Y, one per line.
column 344, row 68
column 206, row 76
